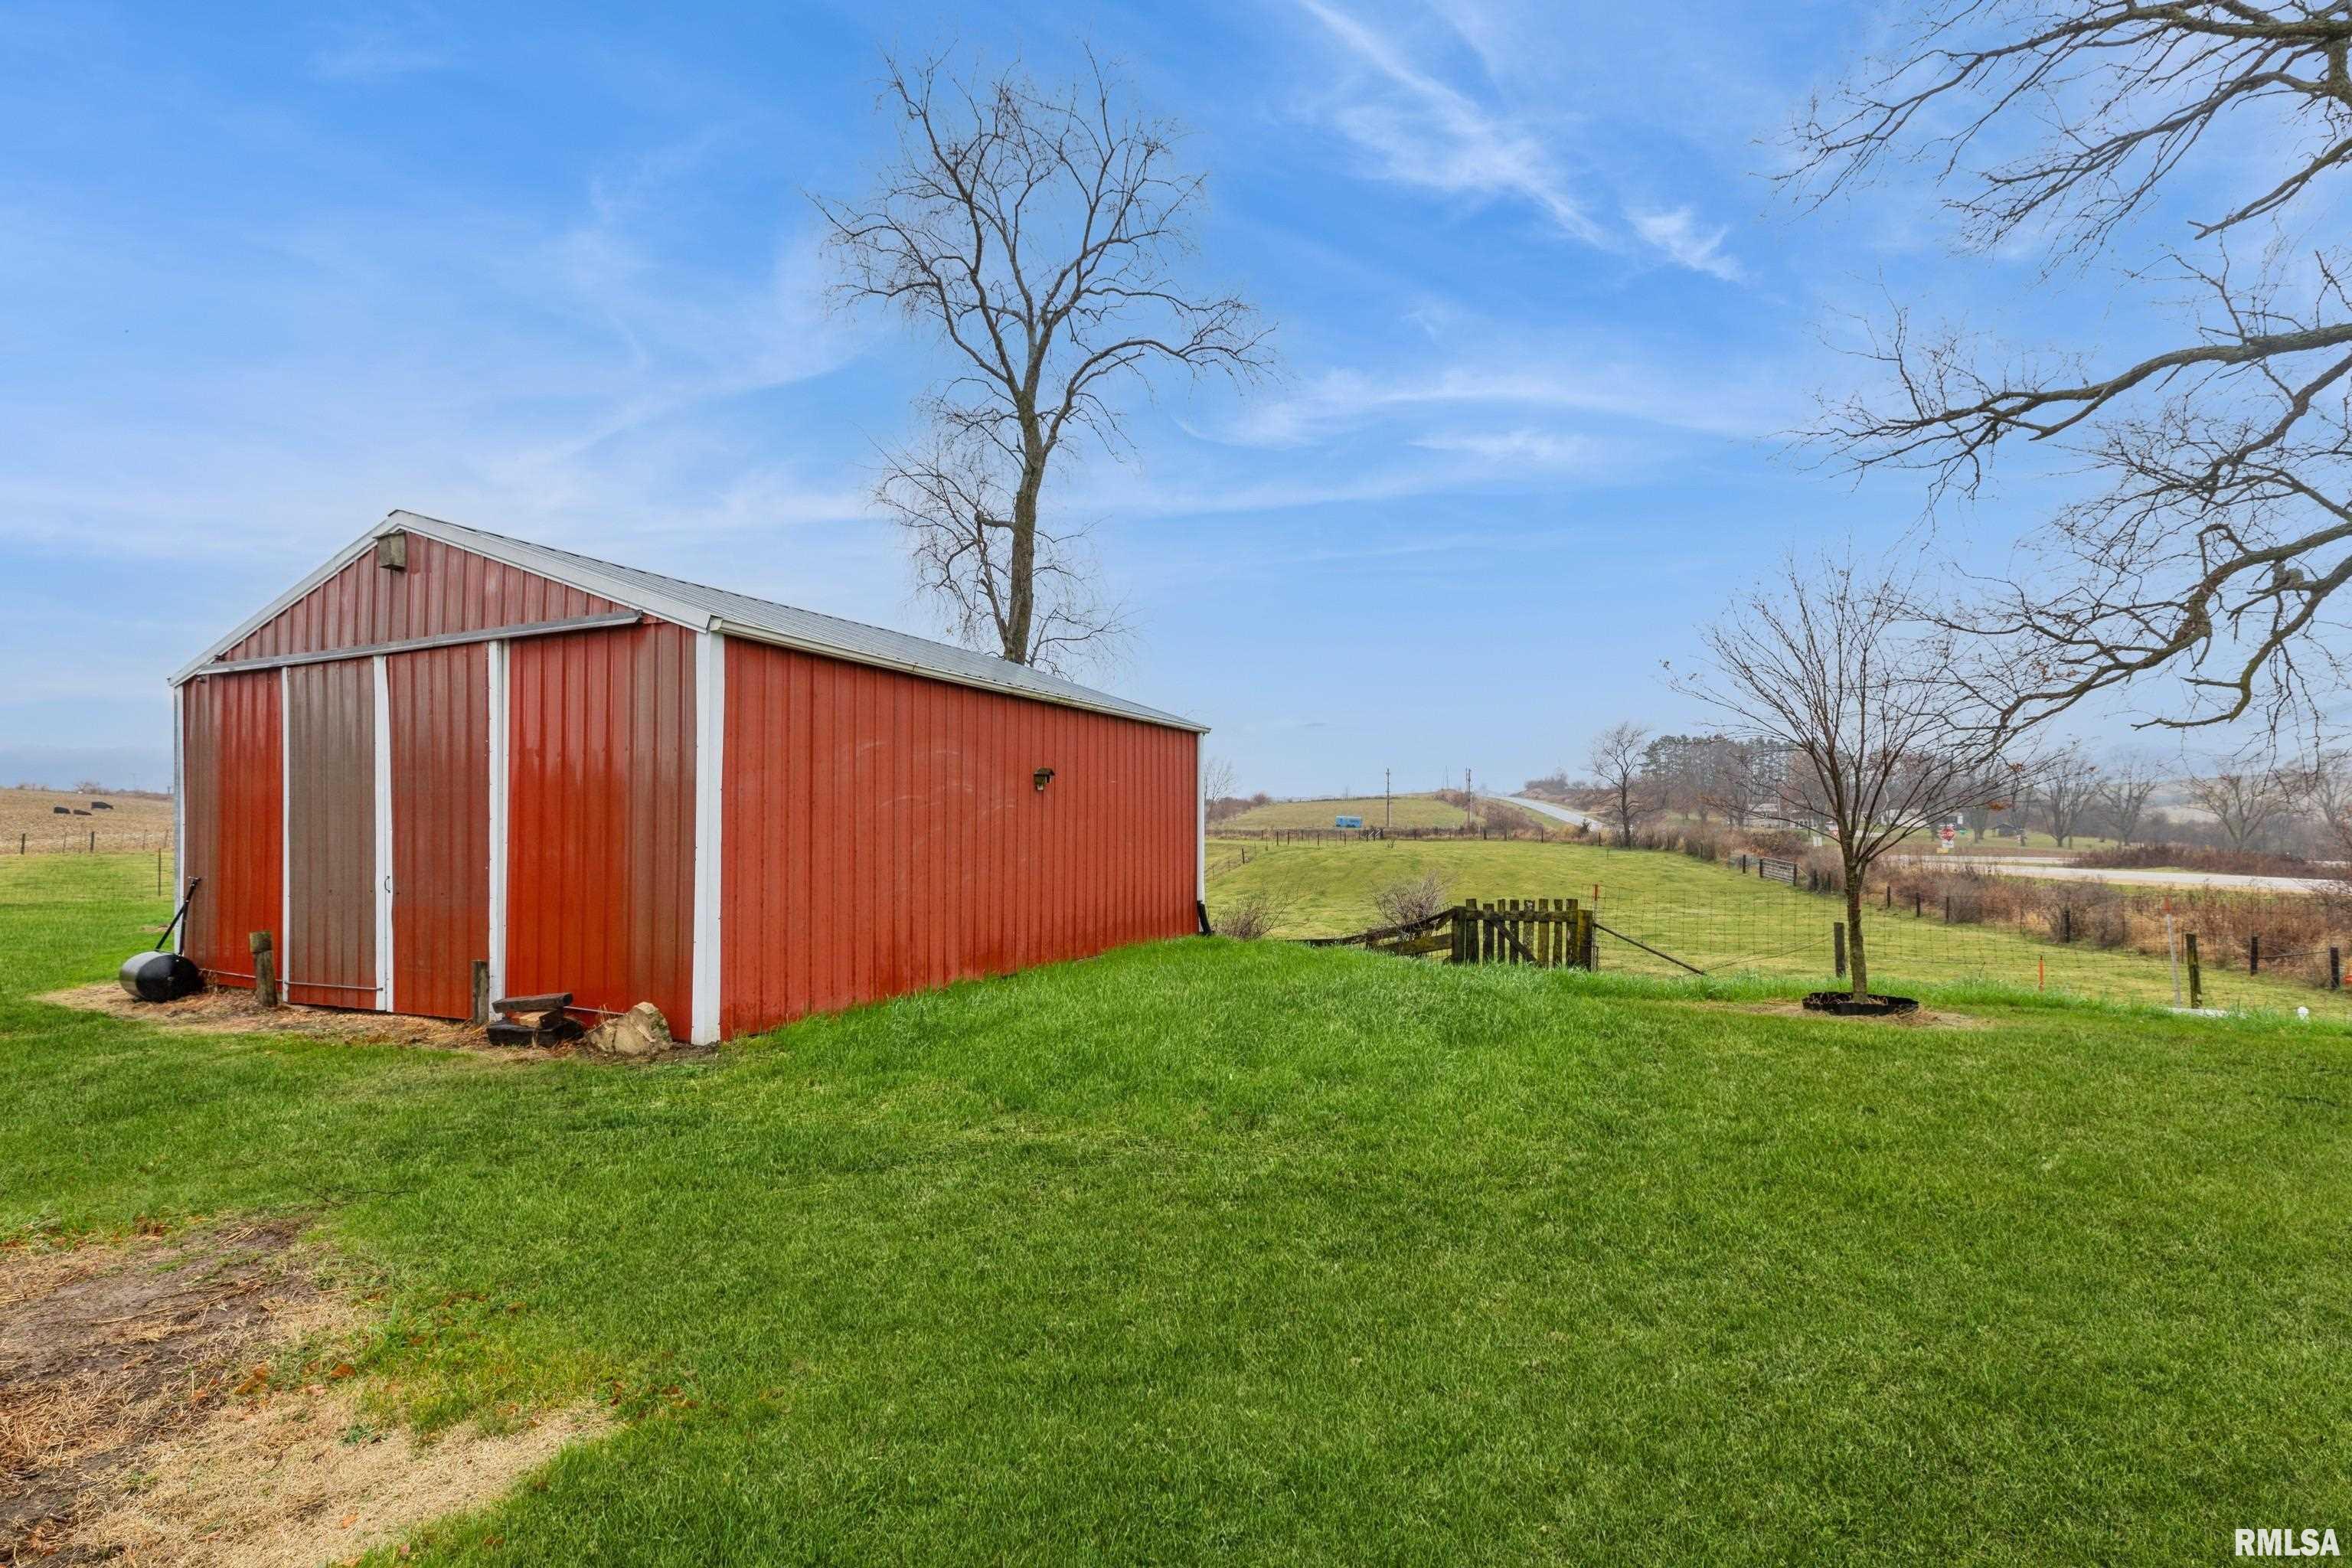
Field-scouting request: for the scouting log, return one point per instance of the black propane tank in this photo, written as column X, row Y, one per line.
column 159, row 976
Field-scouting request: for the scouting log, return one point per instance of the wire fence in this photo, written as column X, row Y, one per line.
column 109, row 876
column 1773, row 928
column 1667, row 914
column 79, row 838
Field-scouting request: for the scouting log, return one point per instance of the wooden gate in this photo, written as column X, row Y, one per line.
column 1551, row 933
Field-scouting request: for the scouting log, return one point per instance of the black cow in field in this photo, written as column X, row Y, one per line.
column 81, row 813
column 62, row 810
column 99, row 806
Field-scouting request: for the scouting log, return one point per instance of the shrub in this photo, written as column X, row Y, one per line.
column 1412, row 898
column 1250, row 917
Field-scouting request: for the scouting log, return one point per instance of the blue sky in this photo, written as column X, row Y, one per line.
column 269, row 273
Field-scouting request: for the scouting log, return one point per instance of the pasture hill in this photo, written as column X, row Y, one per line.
column 1445, row 812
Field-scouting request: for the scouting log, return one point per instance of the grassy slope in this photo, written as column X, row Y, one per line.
column 1412, row 811
column 1712, row 917
column 1260, row 1254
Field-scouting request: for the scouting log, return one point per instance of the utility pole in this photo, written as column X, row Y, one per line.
column 1388, row 805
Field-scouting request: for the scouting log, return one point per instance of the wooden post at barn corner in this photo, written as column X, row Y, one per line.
column 265, row 968
column 481, row 1013
column 2196, row 974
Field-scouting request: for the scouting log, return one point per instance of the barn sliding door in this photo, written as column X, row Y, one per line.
column 330, row 950
column 440, row 777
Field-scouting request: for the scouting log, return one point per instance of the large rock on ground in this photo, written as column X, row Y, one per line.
column 634, row 1036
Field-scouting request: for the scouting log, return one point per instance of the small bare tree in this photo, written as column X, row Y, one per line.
column 2123, row 790
column 1410, row 899
column 2221, row 524
column 1039, row 234
column 2068, row 783
column 2245, row 801
column 1630, row 797
column 1829, row 667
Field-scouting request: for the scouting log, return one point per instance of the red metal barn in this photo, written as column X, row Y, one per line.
column 446, row 746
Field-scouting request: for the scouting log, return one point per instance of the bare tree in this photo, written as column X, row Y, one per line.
column 1827, row 666
column 1630, row 797
column 2123, row 789
column 1216, row 778
column 1040, row 235
column 2064, row 789
column 2222, row 525
column 2245, row 801
column 1741, row 783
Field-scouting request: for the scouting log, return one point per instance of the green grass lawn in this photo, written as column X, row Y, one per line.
column 1409, row 811
column 1710, row 916
column 1251, row 1253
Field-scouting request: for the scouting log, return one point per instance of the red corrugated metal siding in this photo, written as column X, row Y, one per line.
column 234, row 824
column 883, row 833
column 440, row 827
column 600, row 837
column 443, row 589
column 328, row 950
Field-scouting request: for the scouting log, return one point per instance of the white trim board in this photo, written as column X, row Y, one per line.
column 180, row 812
column 709, row 806
column 283, row 942
column 495, row 659
column 383, row 749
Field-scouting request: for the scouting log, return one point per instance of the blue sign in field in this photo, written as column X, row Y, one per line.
column 1347, row 822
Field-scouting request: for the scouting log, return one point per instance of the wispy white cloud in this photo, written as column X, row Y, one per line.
column 1515, row 450
column 385, row 48
column 1680, row 235
column 1432, row 134
column 1426, row 132
column 1711, row 402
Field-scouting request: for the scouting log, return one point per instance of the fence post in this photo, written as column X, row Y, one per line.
column 1915, row 898
column 2336, row 969
column 2066, row 923
column 93, row 840
column 1837, row 947
column 265, row 968
column 481, row 1014
column 2254, row 953
column 1461, row 952
column 2196, row 974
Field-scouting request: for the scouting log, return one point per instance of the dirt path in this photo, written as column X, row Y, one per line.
column 177, row 1400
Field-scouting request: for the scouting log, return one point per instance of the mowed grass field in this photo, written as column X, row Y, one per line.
column 1248, row 1253
column 1409, row 811
column 1711, row 917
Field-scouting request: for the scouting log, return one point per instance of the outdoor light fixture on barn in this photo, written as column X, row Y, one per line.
column 446, row 747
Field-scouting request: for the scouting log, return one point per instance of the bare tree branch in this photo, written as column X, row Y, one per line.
column 1040, row 235
column 2223, row 525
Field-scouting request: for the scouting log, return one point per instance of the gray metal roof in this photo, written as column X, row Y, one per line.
column 707, row 608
